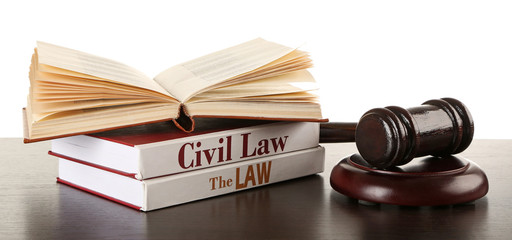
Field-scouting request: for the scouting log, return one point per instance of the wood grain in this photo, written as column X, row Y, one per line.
column 34, row 206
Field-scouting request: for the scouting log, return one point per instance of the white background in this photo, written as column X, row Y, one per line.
column 367, row 53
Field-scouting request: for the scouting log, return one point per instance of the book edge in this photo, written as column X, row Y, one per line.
column 32, row 140
column 196, row 134
column 130, row 175
column 139, row 208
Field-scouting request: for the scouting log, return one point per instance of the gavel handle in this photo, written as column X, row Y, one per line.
column 337, row 132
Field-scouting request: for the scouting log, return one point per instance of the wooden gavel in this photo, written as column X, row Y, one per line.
column 393, row 136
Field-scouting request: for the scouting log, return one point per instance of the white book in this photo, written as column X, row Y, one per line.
column 158, row 149
column 155, row 193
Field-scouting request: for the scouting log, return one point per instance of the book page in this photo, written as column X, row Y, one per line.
column 63, row 83
column 273, row 87
column 293, row 61
column 103, row 68
column 189, row 78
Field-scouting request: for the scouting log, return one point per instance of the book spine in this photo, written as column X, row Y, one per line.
column 227, row 147
column 202, row 151
column 205, row 183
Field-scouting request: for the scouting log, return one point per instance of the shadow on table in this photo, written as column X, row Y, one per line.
column 288, row 209
column 383, row 221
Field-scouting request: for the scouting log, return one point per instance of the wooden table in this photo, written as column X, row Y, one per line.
column 34, row 206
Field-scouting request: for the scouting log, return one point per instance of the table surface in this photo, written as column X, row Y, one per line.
column 34, row 206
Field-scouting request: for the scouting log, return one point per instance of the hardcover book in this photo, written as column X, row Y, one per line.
column 157, row 149
column 73, row 92
column 155, row 193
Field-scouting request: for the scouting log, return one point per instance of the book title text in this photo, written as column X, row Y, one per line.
column 223, row 151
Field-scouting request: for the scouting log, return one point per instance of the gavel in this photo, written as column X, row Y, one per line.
column 393, row 136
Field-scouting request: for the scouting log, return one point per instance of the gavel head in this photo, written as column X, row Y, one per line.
column 393, row 136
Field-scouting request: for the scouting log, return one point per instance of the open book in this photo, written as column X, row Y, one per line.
column 72, row 92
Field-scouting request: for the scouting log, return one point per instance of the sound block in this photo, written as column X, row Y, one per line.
column 427, row 181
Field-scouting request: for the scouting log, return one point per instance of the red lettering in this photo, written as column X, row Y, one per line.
column 245, row 146
column 181, row 156
column 279, row 144
column 263, row 147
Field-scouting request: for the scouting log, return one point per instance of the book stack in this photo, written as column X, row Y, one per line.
column 156, row 165
column 112, row 132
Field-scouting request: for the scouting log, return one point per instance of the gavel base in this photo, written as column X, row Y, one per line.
column 427, row 181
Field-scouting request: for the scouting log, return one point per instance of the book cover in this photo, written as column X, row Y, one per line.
column 159, row 149
column 155, row 193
